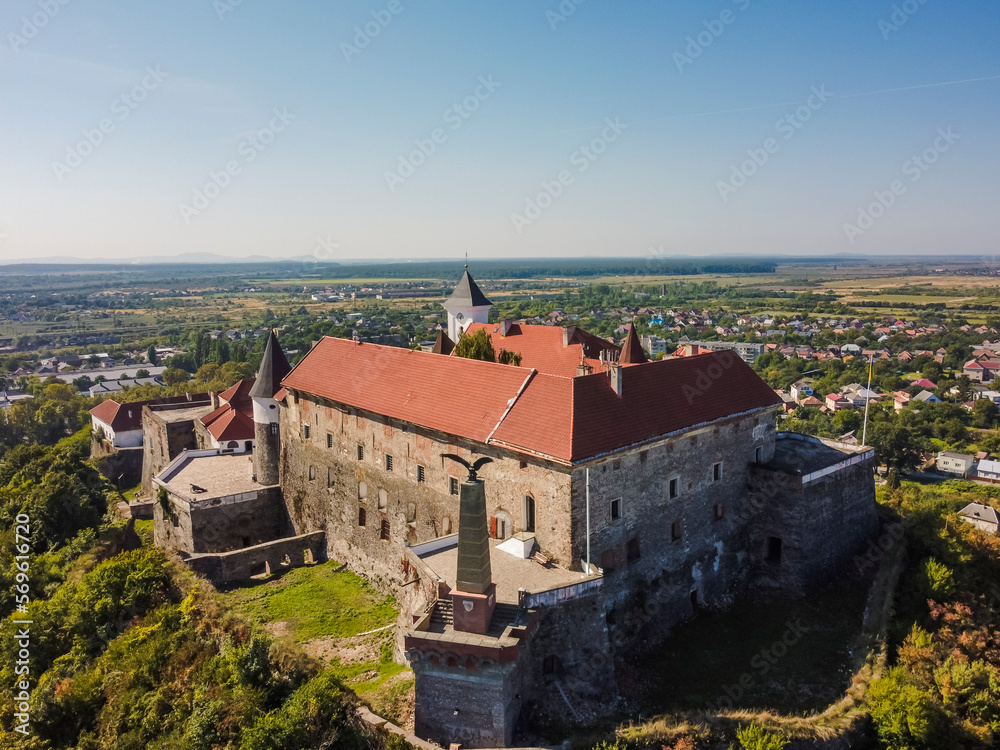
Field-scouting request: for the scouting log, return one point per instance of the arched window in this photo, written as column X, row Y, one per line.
column 362, row 490
column 383, row 499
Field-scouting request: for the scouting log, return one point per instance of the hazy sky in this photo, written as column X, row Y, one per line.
column 419, row 128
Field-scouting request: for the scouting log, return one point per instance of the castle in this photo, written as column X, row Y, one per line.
column 617, row 486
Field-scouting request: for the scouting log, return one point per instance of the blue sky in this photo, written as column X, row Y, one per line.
column 313, row 128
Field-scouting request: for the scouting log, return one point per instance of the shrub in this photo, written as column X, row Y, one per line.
column 755, row 737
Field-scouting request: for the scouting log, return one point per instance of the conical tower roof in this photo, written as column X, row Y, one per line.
column 273, row 368
column 632, row 353
column 467, row 293
column 443, row 345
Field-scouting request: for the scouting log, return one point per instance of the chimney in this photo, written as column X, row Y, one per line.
column 215, row 399
column 505, row 326
column 615, row 373
column 583, row 369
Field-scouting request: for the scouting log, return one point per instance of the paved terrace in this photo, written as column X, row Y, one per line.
column 509, row 573
column 802, row 455
column 220, row 475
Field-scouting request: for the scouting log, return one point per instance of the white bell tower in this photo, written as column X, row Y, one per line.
column 466, row 305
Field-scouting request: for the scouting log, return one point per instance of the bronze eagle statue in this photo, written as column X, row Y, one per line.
column 473, row 468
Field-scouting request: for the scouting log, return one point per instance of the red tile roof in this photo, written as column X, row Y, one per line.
column 120, row 417
column 542, row 348
column 568, row 419
column 233, row 420
column 128, row 416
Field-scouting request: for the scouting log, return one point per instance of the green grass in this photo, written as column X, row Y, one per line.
column 315, row 601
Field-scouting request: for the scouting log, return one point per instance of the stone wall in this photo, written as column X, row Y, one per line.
column 164, row 440
column 820, row 523
column 695, row 542
column 220, row 528
column 326, row 486
column 123, row 466
column 475, row 707
column 270, row 557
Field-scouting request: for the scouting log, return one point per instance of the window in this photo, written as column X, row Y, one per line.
column 362, row 517
column 384, row 532
column 329, row 477
column 312, row 473
column 421, row 474
column 361, row 452
column 616, row 465
column 758, row 454
column 411, row 512
column 719, row 511
column 643, row 455
column 673, row 488
column 523, row 464
column 773, row 550
column 616, row 509
column 608, row 561
column 383, row 500
column 446, row 525
column 305, row 431
column 529, row 513
column 329, row 440
column 452, row 485
column 362, row 490
column 632, row 553
column 274, row 428
column 676, row 531
column 388, row 462
column 716, row 471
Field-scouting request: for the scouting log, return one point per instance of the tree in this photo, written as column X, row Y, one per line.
column 964, row 388
column 895, row 445
column 141, row 373
column 151, row 355
column 509, row 358
column 476, row 346
column 985, row 414
column 174, row 375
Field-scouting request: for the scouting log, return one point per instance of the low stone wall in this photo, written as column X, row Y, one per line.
column 123, row 466
column 269, row 557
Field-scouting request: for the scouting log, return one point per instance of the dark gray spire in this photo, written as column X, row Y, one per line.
column 468, row 293
column 273, row 368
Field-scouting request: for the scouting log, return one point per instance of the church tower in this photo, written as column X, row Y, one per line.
column 273, row 368
column 466, row 305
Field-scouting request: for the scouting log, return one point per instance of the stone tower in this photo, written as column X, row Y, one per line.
column 273, row 368
column 466, row 305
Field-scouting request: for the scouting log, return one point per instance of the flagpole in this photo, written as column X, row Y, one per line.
column 868, row 393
